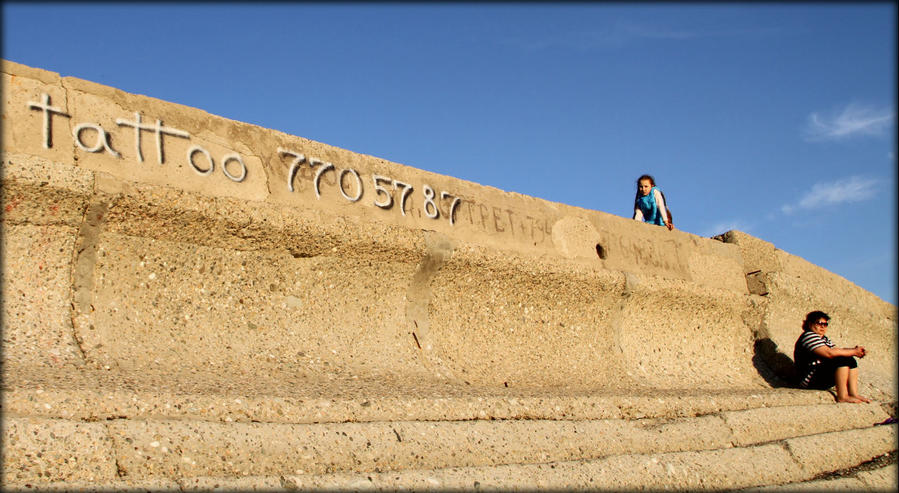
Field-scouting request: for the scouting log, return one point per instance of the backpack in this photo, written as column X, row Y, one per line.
column 667, row 209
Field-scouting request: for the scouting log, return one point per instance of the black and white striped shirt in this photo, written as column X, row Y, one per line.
column 804, row 355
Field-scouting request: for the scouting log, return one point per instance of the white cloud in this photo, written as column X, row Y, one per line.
column 854, row 189
column 853, row 120
column 623, row 32
column 611, row 35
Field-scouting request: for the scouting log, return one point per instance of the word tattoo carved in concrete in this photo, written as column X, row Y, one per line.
column 102, row 142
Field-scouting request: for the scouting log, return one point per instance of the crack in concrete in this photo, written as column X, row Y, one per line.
column 84, row 261
column 120, row 470
column 418, row 295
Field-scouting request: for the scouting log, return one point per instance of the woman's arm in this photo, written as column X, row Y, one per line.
column 833, row 352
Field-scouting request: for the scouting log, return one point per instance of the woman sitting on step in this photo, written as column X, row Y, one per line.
column 821, row 366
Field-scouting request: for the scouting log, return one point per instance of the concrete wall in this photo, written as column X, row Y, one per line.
column 126, row 249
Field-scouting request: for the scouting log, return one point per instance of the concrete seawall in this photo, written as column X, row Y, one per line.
column 132, row 259
column 151, row 245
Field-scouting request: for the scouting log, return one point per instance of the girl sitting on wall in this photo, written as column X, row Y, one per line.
column 649, row 204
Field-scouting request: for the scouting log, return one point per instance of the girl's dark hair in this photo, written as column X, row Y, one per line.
column 643, row 177
column 812, row 318
column 646, row 177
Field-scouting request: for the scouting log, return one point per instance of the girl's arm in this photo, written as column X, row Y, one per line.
column 663, row 209
column 638, row 214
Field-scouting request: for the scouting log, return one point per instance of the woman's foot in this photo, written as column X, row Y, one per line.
column 850, row 398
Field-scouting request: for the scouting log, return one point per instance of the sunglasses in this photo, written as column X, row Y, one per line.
column 822, row 324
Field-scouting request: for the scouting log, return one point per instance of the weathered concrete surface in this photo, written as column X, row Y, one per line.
column 177, row 275
column 709, row 469
column 149, row 448
column 789, row 285
column 514, row 291
column 884, row 479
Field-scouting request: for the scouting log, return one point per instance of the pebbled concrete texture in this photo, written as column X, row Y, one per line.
column 36, row 313
column 781, row 422
column 230, row 292
column 685, row 470
column 183, row 449
column 39, row 449
column 883, row 479
column 840, row 450
column 147, row 486
column 142, row 449
column 297, row 269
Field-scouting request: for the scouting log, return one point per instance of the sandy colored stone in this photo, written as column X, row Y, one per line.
column 838, row 484
column 145, row 486
column 37, row 326
column 468, row 333
column 38, row 449
column 882, row 479
column 23, row 97
column 254, row 483
column 687, row 470
column 843, row 449
column 186, row 449
column 784, row 422
column 793, row 287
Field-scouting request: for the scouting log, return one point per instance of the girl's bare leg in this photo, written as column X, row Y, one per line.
column 852, row 385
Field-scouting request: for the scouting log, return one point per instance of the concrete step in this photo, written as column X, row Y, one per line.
column 51, row 449
column 880, row 479
column 93, row 395
column 774, row 463
column 784, row 465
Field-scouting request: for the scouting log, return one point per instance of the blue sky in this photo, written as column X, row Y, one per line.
column 775, row 119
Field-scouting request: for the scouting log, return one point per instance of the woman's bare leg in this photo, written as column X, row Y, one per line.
column 852, row 385
column 841, row 381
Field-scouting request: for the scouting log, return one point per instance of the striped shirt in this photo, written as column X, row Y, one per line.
column 804, row 355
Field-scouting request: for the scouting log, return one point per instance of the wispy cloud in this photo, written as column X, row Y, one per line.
column 612, row 36
column 623, row 32
column 853, row 120
column 854, row 189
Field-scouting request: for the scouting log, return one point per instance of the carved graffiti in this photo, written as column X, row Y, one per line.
column 388, row 192
column 385, row 192
column 492, row 219
column 650, row 253
column 103, row 144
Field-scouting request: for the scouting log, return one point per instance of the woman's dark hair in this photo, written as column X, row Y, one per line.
column 812, row 318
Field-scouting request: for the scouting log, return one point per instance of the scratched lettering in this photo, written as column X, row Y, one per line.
column 48, row 112
column 102, row 139
column 158, row 129
column 232, row 165
column 388, row 194
column 650, row 254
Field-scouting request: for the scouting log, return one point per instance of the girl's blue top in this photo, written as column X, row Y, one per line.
column 649, row 208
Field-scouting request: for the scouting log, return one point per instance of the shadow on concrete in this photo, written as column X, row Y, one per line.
column 774, row 366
